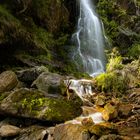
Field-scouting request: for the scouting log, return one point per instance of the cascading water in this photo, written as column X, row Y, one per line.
column 89, row 40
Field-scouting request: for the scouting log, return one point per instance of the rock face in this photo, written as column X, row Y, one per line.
column 8, row 80
column 33, row 104
column 9, row 130
column 49, row 82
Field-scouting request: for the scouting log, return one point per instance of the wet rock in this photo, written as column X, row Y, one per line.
column 110, row 112
column 70, row 132
column 34, row 104
column 49, row 82
column 7, row 130
column 8, row 80
column 29, row 75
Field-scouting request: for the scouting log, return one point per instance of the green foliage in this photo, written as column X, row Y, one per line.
column 108, row 9
column 134, row 51
column 114, row 64
column 6, row 15
column 115, row 15
column 111, row 82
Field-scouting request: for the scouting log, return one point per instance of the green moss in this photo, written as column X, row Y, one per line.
column 58, row 109
column 134, row 51
column 111, row 82
column 32, row 103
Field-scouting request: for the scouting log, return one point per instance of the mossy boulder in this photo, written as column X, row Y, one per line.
column 33, row 104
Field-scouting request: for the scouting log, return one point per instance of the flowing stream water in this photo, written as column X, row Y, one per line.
column 90, row 52
column 89, row 40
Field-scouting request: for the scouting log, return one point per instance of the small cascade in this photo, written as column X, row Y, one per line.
column 89, row 40
column 96, row 118
column 82, row 87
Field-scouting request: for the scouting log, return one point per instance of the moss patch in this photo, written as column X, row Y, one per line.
column 111, row 82
column 33, row 104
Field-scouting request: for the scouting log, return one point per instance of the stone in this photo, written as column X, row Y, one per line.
column 100, row 100
column 30, row 74
column 110, row 112
column 94, row 137
column 7, row 130
column 102, row 129
column 33, row 133
column 49, row 82
column 125, row 110
column 34, row 104
column 70, row 132
column 8, row 81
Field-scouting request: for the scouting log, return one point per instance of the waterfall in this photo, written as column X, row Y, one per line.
column 89, row 40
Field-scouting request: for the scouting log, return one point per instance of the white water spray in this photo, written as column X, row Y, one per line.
column 89, row 40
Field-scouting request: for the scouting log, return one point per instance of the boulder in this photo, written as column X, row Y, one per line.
column 33, row 133
column 70, row 132
column 34, row 104
column 49, row 82
column 29, row 75
column 7, row 130
column 8, row 81
column 102, row 129
column 125, row 110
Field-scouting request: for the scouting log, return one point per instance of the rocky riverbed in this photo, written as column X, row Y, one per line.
column 36, row 104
